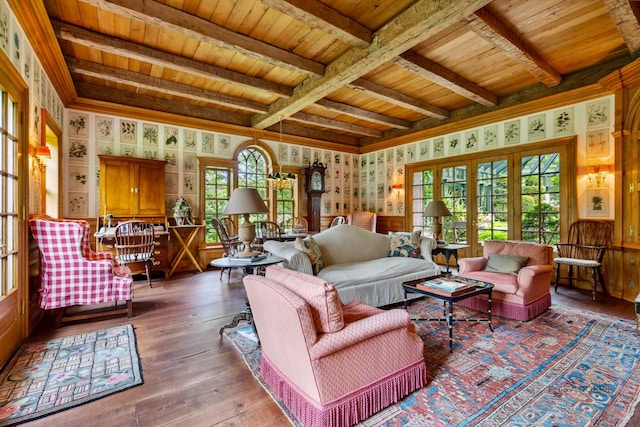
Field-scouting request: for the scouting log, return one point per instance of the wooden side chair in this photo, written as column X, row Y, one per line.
column 337, row 221
column 296, row 225
column 230, row 226
column 230, row 245
column 134, row 243
column 588, row 240
column 266, row 230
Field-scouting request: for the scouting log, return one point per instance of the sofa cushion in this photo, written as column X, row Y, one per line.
column 354, row 273
column 323, row 299
column 309, row 246
column 405, row 244
column 346, row 243
column 509, row 264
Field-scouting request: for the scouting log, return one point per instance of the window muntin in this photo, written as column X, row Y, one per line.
column 492, row 181
column 217, row 190
column 540, row 198
column 8, row 194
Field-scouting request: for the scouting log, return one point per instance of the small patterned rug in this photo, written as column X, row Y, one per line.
column 563, row 368
column 51, row 376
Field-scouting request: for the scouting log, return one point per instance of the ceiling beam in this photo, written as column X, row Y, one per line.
column 130, row 78
column 316, row 134
column 622, row 14
column 190, row 26
column 512, row 105
column 335, row 124
column 93, row 40
column 422, row 20
column 488, row 26
column 111, row 94
column 362, row 114
column 441, row 76
column 328, row 20
column 396, row 98
column 34, row 20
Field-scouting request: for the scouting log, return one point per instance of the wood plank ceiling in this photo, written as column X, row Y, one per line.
column 346, row 72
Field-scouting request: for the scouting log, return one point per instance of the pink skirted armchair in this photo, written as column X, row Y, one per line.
column 331, row 364
column 365, row 220
column 521, row 273
column 72, row 274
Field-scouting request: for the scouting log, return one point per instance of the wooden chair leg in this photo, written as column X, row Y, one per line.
column 601, row 278
column 58, row 314
column 557, row 277
column 147, row 268
column 129, row 308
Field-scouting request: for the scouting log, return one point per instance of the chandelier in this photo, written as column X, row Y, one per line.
column 280, row 180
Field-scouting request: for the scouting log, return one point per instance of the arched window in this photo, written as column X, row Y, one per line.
column 250, row 168
column 252, row 172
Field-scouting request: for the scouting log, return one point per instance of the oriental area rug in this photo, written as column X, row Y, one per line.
column 563, row 368
column 51, row 376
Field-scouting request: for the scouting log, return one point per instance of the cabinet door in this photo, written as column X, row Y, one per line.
column 150, row 189
column 118, row 188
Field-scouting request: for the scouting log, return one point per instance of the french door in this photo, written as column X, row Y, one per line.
column 512, row 194
column 12, row 224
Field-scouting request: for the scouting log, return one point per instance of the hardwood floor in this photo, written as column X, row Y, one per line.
column 194, row 378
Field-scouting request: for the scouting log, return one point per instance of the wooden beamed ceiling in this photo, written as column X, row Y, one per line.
column 357, row 74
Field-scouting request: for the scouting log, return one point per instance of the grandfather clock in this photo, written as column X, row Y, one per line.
column 314, row 187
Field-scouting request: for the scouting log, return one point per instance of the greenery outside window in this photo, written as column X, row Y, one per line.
column 217, row 190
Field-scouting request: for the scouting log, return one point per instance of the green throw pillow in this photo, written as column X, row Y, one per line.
column 509, row 264
column 405, row 244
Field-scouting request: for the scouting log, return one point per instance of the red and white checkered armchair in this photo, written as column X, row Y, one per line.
column 331, row 364
column 72, row 274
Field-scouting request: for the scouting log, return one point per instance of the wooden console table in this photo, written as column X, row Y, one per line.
column 184, row 244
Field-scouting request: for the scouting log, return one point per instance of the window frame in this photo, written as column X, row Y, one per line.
column 567, row 148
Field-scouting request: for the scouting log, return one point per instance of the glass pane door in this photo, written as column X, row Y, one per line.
column 454, row 195
column 540, row 198
column 492, row 182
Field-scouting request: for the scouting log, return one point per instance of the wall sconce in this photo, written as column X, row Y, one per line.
column 597, row 174
column 396, row 189
column 39, row 154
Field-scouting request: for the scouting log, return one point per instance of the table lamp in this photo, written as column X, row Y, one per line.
column 436, row 209
column 246, row 201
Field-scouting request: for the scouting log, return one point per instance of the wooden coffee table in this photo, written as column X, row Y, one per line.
column 481, row 288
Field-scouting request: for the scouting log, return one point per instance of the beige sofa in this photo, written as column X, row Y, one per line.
column 358, row 264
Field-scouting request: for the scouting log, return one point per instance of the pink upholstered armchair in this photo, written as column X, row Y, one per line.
column 365, row 220
column 72, row 274
column 522, row 293
column 332, row 365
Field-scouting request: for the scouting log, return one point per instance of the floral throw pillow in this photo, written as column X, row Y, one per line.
column 405, row 244
column 309, row 246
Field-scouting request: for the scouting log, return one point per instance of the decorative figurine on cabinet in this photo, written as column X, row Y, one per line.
column 182, row 212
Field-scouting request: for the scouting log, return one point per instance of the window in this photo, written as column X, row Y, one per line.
column 492, row 196
column 540, row 198
column 217, row 190
column 9, row 193
column 219, row 177
column 422, row 192
column 515, row 193
column 454, row 195
column 252, row 172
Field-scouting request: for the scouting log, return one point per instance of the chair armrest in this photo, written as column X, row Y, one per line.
column 93, row 256
column 427, row 244
column 466, row 265
column 294, row 259
column 360, row 330
column 533, row 281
